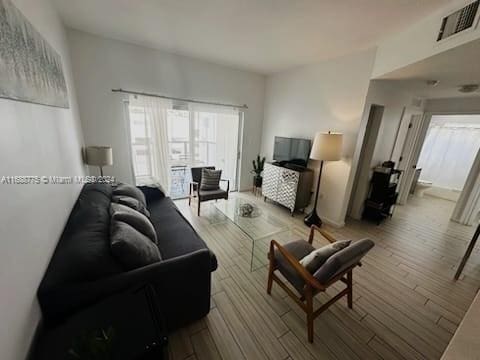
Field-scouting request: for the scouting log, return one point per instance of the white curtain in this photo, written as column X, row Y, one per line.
column 156, row 140
column 450, row 148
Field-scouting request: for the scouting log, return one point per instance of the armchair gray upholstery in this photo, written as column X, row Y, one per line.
column 337, row 268
column 205, row 195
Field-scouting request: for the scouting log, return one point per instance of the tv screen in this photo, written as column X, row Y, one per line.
column 295, row 151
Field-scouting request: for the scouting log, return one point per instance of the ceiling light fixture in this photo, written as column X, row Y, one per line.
column 468, row 88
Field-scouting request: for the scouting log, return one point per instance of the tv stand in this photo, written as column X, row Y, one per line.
column 295, row 167
column 290, row 187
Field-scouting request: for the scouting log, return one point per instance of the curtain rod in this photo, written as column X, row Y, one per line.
column 244, row 106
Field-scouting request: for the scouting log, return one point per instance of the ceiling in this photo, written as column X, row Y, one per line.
column 265, row 36
column 451, row 68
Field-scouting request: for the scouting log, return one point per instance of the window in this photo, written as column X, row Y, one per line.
column 179, row 136
column 193, row 135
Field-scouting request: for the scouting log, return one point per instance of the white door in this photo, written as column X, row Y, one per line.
column 410, row 153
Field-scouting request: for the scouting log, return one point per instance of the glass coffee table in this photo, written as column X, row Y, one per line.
column 258, row 225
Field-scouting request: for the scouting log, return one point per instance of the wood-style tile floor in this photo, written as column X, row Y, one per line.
column 406, row 305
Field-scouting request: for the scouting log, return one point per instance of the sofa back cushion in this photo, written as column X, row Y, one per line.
column 131, row 202
column 83, row 251
column 131, row 248
column 133, row 218
column 131, row 191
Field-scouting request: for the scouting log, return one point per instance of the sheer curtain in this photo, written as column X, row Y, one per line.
column 215, row 139
column 149, row 137
column 450, row 147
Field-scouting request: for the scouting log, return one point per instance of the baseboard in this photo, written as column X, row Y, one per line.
column 330, row 222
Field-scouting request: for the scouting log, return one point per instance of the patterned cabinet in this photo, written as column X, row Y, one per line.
column 271, row 175
column 290, row 188
column 287, row 188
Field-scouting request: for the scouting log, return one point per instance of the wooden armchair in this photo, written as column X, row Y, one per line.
column 339, row 267
column 205, row 195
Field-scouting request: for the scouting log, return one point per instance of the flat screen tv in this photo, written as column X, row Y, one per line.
column 292, row 151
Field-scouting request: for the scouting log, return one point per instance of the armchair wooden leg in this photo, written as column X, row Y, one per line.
column 309, row 311
column 350, row 289
column 198, row 210
column 271, row 268
column 190, row 195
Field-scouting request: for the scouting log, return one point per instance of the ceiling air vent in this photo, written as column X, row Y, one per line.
column 458, row 21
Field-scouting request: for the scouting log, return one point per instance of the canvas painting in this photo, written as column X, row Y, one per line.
column 30, row 69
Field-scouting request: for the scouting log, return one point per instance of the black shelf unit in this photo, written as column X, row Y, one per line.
column 382, row 195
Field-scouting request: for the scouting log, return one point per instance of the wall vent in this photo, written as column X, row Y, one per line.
column 458, row 21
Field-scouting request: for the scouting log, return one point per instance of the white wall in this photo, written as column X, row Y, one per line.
column 418, row 42
column 100, row 64
column 463, row 105
column 321, row 97
column 34, row 140
column 388, row 145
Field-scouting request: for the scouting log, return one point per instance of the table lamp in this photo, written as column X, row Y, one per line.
column 99, row 156
column 326, row 147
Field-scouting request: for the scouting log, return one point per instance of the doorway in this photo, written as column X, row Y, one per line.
column 442, row 159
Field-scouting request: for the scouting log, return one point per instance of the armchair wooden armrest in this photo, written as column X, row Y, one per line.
column 324, row 233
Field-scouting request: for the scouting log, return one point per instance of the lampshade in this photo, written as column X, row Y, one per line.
column 99, row 155
column 327, row 147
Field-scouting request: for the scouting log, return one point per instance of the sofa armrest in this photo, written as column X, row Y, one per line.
column 172, row 278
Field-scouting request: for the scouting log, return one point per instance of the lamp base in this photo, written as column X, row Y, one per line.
column 312, row 219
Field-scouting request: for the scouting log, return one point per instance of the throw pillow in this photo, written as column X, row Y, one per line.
column 131, row 202
column 342, row 260
column 133, row 218
column 131, row 248
column 210, row 179
column 130, row 190
column 317, row 258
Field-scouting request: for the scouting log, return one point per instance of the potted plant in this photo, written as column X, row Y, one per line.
column 257, row 170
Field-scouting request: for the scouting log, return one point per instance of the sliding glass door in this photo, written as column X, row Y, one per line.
column 201, row 138
column 197, row 136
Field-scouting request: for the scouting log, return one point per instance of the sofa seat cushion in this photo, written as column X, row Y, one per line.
column 131, row 248
column 206, row 195
column 175, row 235
column 131, row 191
column 298, row 249
column 133, row 218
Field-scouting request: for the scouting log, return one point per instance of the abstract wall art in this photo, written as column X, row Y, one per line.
column 30, row 69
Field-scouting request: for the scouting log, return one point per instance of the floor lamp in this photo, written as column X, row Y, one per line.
column 99, row 156
column 326, row 147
